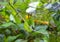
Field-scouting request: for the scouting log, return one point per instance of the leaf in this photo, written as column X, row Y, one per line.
column 5, row 25
column 10, row 7
column 27, row 27
column 11, row 38
column 2, row 37
column 14, row 2
column 11, row 1
column 38, row 40
column 21, row 26
column 8, row 32
column 42, row 29
column 30, row 21
column 20, row 40
column 17, row 19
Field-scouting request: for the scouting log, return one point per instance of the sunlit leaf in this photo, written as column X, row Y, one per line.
column 27, row 28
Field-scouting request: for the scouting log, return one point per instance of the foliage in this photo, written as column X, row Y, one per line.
column 39, row 24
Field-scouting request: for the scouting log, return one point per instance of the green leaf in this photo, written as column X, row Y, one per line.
column 5, row 25
column 11, row 1
column 17, row 19
column 38, row 40
column 42, row 29
column 20, row 40
column 27, row 27
column 11, row 38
